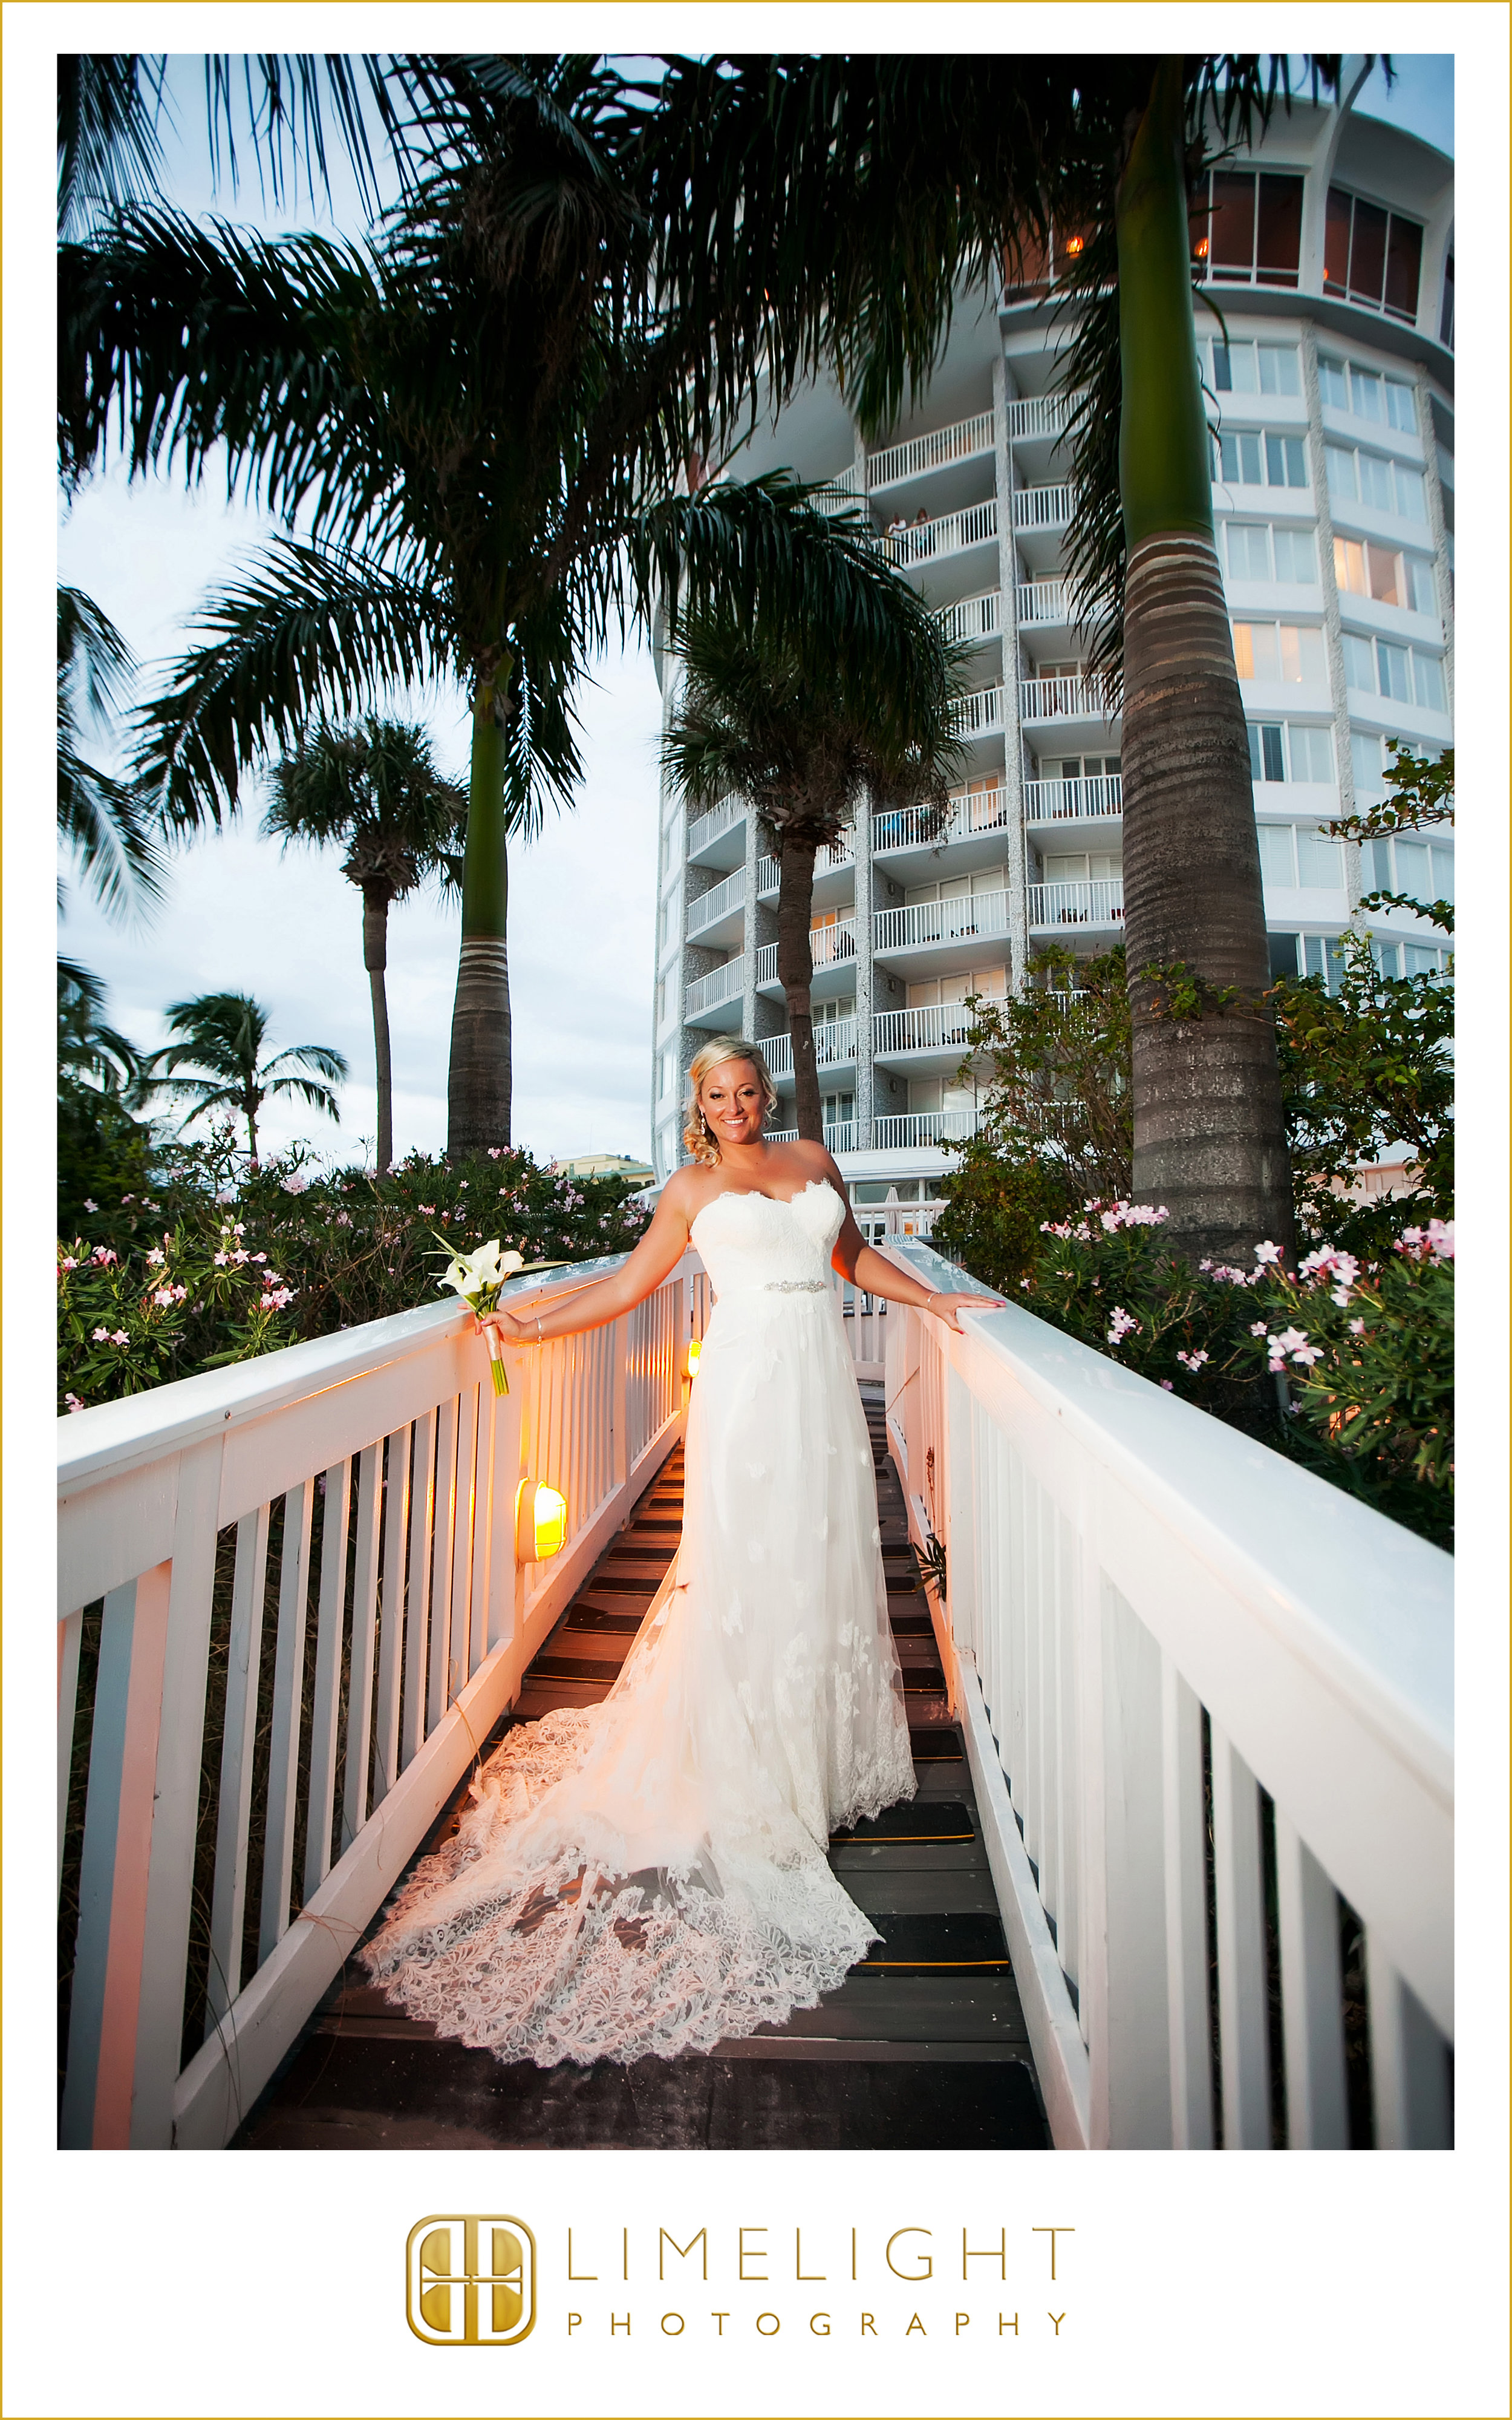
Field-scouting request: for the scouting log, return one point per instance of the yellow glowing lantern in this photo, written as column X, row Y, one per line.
column 540, row 1522
column 694, row 1350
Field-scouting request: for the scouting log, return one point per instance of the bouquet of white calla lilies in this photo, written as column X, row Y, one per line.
column 480, row 1278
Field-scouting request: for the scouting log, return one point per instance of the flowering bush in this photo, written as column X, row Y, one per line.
column 1346, row 1367
column 209, row 1264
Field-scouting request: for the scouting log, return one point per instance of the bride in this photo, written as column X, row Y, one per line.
column 650, row 1874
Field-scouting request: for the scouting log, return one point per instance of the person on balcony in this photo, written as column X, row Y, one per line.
column 650, row 1874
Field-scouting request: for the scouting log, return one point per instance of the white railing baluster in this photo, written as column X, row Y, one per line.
column 69, row 1638
column 1409, row 2063
column 482, row 1556
column 1240, row 1896
column 391, row 1634
column 1186, row 1912
column 324, row 1718
column 283, row 1750
column 364, row 1627
column 238, row 1743
column 417, row 1604
column 464, row 1515
column 439, row 1688
column 1312, row 1992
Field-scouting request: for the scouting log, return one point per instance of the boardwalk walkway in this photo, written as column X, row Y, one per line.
column 924, row 2047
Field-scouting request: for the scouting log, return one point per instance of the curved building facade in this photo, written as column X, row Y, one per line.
column 1329, row 254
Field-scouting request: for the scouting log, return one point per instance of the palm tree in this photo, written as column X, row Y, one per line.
column 474, row 415
column 222, row 1036
column 91, row 1053
column 102, row 818
column 373, row 788
column 772, row 721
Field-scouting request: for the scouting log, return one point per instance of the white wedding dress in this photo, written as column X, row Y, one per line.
column 650, row 1874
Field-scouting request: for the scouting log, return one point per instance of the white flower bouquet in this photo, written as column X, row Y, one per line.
column 480, row 1278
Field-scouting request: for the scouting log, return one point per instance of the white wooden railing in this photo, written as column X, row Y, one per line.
column 1076, row 903
column 722, row 900
column 829, row 945
column 978, row 811
column 979, row 710
column 982, row 916
column 1046, row 507
column 1098, row 793
column 828, row 859
column 720, row 820
column 917, row 1127
column 1042, row 601
column 711, row 991
column 1196, row 1684
column 365, row 1483
column 1065, row 697
column 974, row 617
column 1040, row 415
column 954, row 444
column 896, row 1030
column 926, row 541
column 834, row 1043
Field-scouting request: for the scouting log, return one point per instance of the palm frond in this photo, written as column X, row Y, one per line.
column 109, row 151
column 319, row 1096
column 313, row 1055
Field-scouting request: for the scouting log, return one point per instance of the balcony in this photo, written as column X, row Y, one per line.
column 975, row 617
column 826, row 860
column 1086, row 801
column 979, row 810
column 1065, row 698
column 956, row 443
column 726, row 900
column 708, row 830
column 979, row 712
column 923, row 1126
column 726, row 984
column 899, row 1033
column 828, row 946
column 1053, row 903
column 982, row 916
column 1043, row 508
column 928, row 541
column 1043, row 600
column 834, row 1045
column 840, row 1137
column 1040, row 415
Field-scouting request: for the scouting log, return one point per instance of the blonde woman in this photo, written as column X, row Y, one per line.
column 650, row 1874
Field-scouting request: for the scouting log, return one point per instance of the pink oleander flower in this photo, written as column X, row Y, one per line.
column 258, row 1257
column 296, row 1184
column 1290, row 1338
column 1121, row 1324
column 219, row 1259
column 1258, row 1328
column 1268, row 1255
column 1357, row 1328
column 74, row 1402
column 427, row 1209
column 164, row 1297
column 493, row 1151
column 91, row 1206
column 67, row 1261
column 1169, row 1385
column 1441, row 1239
column 155, row 1260
column 179, row 1292
column 1307, row 1355
column 100, row 1336
column 104, row 1256
column 1193, row 1361
column 118, row 1336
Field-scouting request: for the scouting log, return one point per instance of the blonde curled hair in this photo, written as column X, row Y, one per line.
column 697, row 1137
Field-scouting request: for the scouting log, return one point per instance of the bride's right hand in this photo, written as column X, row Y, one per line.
column 504, row 1324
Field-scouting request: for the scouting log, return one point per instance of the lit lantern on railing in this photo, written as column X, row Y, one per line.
column 694, row 1352
column 540, row 1522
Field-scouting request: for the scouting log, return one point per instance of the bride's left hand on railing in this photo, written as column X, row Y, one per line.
column 505, row 1324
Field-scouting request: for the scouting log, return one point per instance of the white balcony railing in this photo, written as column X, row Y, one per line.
column 711, row 907
column 829, row 946
column 975, row 617
column 844, row 493
column 1228, row 1667
column 981, row 917
column 923, row 1126
column 838, row 1136
column 927, row 541
column 1075, row 903
column 719, row 819
column 834, row 1045
column 979, row 810
column 896, row 1031
column 711, row 991
column 980, row 710
column 963, row 439
column 1040, row 415
column 368, row 1482
column 1067, row 697
column 1042, row 601
column 827, row 861
column 1048, row 507
column 1049, row 803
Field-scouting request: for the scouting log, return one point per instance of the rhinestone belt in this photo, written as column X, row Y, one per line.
column 796, row 1285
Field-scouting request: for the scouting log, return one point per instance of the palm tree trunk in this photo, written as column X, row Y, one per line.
column 249, row 1104
column 480, row 1077
column 1210, row 1136
column 376, row 898
column 794, row 968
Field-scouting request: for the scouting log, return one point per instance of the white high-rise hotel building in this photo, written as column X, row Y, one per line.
column 1331, row 259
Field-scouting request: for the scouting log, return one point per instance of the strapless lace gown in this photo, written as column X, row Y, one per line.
column 650, row 1874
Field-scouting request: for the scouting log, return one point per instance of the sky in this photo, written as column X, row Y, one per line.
column 241, row 916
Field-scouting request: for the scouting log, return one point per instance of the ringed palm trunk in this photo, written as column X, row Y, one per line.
column 479, row 1079
column 794, row 968
column 376, row 895
column 251, row 1102
column 1209, row 1134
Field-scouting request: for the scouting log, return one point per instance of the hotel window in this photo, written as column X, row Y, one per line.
column 1373, row 255
column 1259, row 551
column 1369, row 395
column 1307, row 953
column 1396, row 958
column 1446, row 316
column 1380, row 572
column 1252, row 368
column 667, row 1074
column 1279, row 651
column 1261, row 458
column 1380, row 667
column 1297, row 752
column 1298, row 857
column 1355, row 478
column 1247, row 229
column 1423, row 869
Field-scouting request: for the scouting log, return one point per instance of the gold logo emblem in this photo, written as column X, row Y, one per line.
column 470, row 2280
